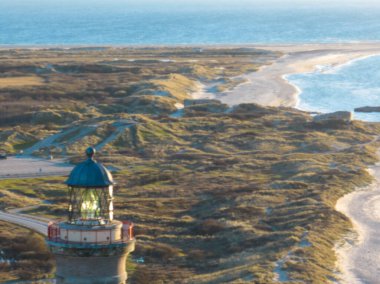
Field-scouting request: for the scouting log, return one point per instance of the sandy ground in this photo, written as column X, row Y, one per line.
column 269, row 86
column 31, row 167
column 20, row 81
column 359, row 254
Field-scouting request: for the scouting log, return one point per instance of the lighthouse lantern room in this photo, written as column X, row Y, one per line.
column 90, row 193
column 90, row 237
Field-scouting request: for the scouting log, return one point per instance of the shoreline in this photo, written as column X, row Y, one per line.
column 323, row 69
column 358, row 252
column 270, row 86
column 261, row 45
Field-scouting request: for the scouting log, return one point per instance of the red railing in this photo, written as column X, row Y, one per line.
column 127, row 231
column 53, row 231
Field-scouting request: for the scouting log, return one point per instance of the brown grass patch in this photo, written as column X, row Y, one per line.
column 13, row 82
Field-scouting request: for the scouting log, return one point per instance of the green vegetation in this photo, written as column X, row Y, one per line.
column 23, row 254
column 83, row 82
column 216, row 196
column 224, row 197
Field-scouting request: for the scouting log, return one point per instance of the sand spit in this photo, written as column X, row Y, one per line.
column 269, row 85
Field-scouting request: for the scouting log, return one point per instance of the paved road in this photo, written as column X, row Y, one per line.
column 25, row 221
column 20, row 167
column 15, row 167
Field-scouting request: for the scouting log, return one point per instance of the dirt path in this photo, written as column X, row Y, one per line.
column 72, row 134
column 120, row 128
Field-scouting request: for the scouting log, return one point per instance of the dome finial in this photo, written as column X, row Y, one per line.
column 90, row 173
column 90, row 152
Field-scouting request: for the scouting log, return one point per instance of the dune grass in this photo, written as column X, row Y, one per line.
column 213, row 203
column 216, row 197
column 25, row 254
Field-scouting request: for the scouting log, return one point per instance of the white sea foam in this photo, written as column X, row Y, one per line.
column 337, row 68
column 296, row 87
column 343, row 87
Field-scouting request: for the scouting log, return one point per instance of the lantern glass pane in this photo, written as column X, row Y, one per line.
column 90, row 206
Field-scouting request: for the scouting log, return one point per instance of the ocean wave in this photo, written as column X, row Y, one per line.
column 344, row 87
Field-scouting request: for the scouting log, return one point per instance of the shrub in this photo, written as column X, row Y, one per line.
column 210, row 227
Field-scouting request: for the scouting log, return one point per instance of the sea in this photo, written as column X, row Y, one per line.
column 208, row 22
column 346, row 87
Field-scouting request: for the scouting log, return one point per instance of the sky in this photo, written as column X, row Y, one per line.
column 214, row 3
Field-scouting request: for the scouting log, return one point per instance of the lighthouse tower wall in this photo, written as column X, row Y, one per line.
column 91, row 270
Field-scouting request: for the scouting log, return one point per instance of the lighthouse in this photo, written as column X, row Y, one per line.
column 90, row 246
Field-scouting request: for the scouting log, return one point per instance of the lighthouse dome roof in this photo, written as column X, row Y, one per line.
column 90, row 173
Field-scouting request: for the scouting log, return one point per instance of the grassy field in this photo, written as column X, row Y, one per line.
column 23, row 255
column 90, row 81
column 235, row 197
column 242, row 196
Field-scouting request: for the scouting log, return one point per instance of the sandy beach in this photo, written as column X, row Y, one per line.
column 358, row 254
column 269, row 86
